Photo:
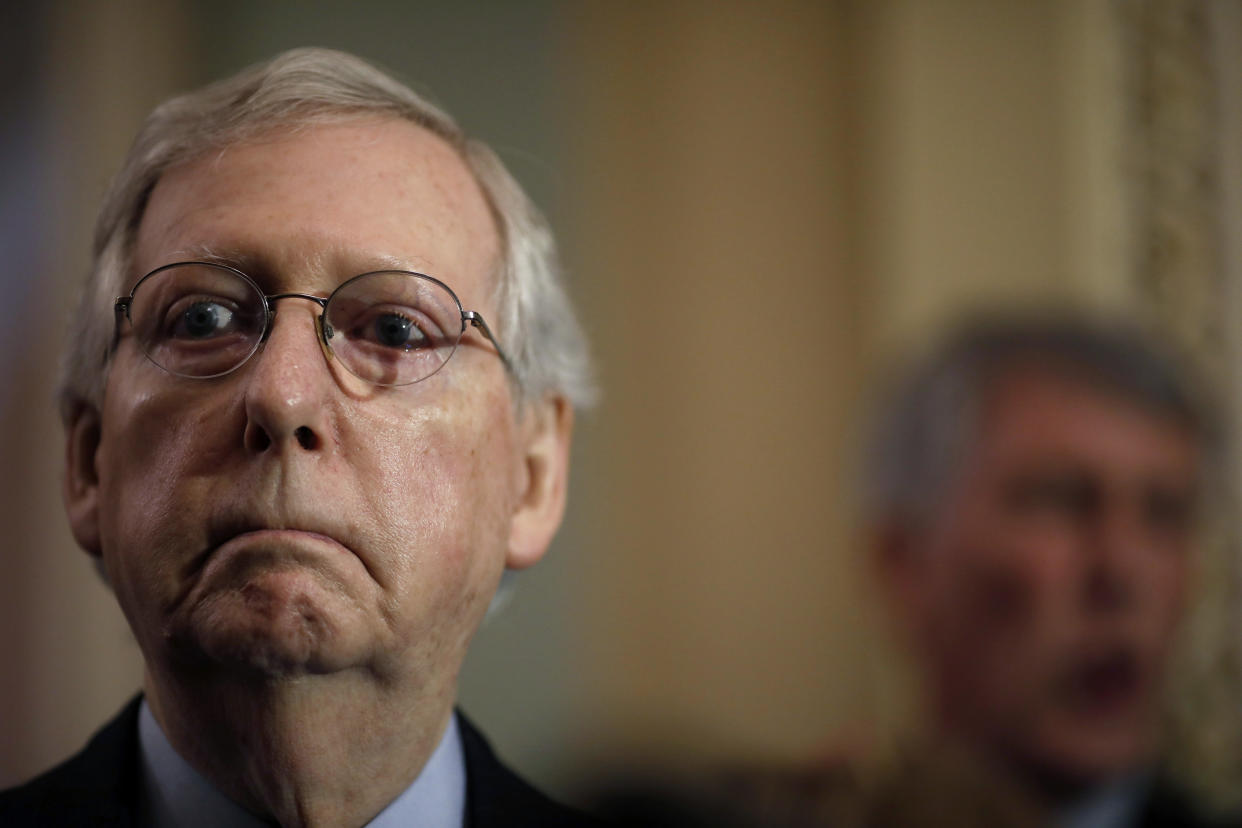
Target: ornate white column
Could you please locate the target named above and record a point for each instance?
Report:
(1180, 90)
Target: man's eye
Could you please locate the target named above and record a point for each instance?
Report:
(1065, 496)
(1169, 510)
(392, 330)
(202, 319)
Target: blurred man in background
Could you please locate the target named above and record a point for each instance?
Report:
(1034, 488)
(303, 459)
(1034, 494)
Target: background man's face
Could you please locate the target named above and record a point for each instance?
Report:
(288, 517)
(1045, 594)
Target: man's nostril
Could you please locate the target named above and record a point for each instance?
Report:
(257, 439)
(306, 438)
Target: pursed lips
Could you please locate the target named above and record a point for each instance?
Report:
(223, 530)
(311, 543)
(249, 530)
(282, 537)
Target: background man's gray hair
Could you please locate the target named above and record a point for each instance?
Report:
(927, 421)
(301, 87)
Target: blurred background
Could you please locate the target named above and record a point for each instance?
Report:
(758, 205)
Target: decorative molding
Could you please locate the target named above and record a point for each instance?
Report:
(1174, 257)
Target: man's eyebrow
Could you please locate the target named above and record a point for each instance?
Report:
(256, 266)
(385, 262)
(247, 263)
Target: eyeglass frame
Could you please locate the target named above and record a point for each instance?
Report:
(122, 305)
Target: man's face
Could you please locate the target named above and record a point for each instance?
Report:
(288, 518)
(1045, 594)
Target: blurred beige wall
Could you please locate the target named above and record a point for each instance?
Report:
(714, 169)
(68, 658)
(758, 202)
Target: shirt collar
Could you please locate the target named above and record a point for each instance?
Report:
(1112, 806)
(175, 795)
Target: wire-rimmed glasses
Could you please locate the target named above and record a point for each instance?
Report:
(388, 327)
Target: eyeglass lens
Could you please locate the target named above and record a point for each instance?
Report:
(203, 320)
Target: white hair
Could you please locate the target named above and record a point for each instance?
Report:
(536, 323)
(930, 417)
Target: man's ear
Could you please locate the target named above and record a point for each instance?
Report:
(80, 487)
(545, 428)
(895, 563)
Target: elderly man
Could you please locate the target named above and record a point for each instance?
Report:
(319, 397)
(1035, 491)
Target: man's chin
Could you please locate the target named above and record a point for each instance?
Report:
(269, 630)
(1094, 756)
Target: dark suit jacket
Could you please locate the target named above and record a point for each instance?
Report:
(100, 787)
(1169, 807)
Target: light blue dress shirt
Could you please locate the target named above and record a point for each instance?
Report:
(1116, 805)
(174, 795)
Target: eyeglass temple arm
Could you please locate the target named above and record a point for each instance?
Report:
(121, 308)
(475, 319)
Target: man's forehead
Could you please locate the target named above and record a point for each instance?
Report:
(1044, 409)
(1052, 387)
(340, 197)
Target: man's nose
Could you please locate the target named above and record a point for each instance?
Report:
(289, 386)
(1115, 557)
